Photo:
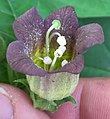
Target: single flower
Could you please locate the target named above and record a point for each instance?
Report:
(50, 51)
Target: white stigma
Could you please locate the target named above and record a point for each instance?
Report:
(47, 60)
(64, 62)
(60, 51)
(61, 40)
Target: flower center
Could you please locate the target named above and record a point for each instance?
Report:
(48, 61)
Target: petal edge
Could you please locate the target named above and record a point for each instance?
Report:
(29, 28)
(88, 36)
(75, 66)
(20, 62)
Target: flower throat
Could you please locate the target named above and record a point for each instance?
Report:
(49, 62)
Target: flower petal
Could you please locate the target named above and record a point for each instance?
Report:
(30, 28)
(88, 36)
(68, 19)
(75, 66)
(18, 59)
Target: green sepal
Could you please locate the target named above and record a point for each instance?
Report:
(43, 104)
(23, 82)
(51, 106)
(69, 98)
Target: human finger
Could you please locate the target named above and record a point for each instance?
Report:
(15, 104)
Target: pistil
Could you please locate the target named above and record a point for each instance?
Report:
(55, 25)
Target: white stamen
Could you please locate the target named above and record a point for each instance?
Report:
(53, 62)
(47, 60)
(64, 62)
(53, 34)
(61, 40)
(60, 51)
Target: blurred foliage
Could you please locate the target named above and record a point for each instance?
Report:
(84, 8)
(96, 59)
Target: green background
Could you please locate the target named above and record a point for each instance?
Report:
(97, 59)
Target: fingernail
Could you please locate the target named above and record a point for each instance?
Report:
(6, 108)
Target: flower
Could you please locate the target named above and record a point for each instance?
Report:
(50, 51)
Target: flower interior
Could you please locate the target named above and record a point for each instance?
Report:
(56, 53)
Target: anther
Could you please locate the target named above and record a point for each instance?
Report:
(60, 51)
(47, 60)
(64, 62)
(61, 40)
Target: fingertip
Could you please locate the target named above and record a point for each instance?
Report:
(95, 99)
(22, 105)
(6, 108)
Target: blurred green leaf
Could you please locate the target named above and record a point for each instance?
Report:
(2, 48)
(3, 72)
(22, 83)
(84, 8)
(97, 58)
(91, 8)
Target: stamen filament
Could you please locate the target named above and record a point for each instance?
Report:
(53, 34)
(47, 39)
(64, 62)
(53, 63)
(37, 58)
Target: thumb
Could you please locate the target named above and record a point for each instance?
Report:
(15, 104)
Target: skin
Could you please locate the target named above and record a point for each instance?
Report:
(92, 96)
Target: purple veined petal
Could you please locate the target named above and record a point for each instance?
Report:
(88, 36)
(68, 19)
(30, 28)
(75, 66)
(18, 59)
